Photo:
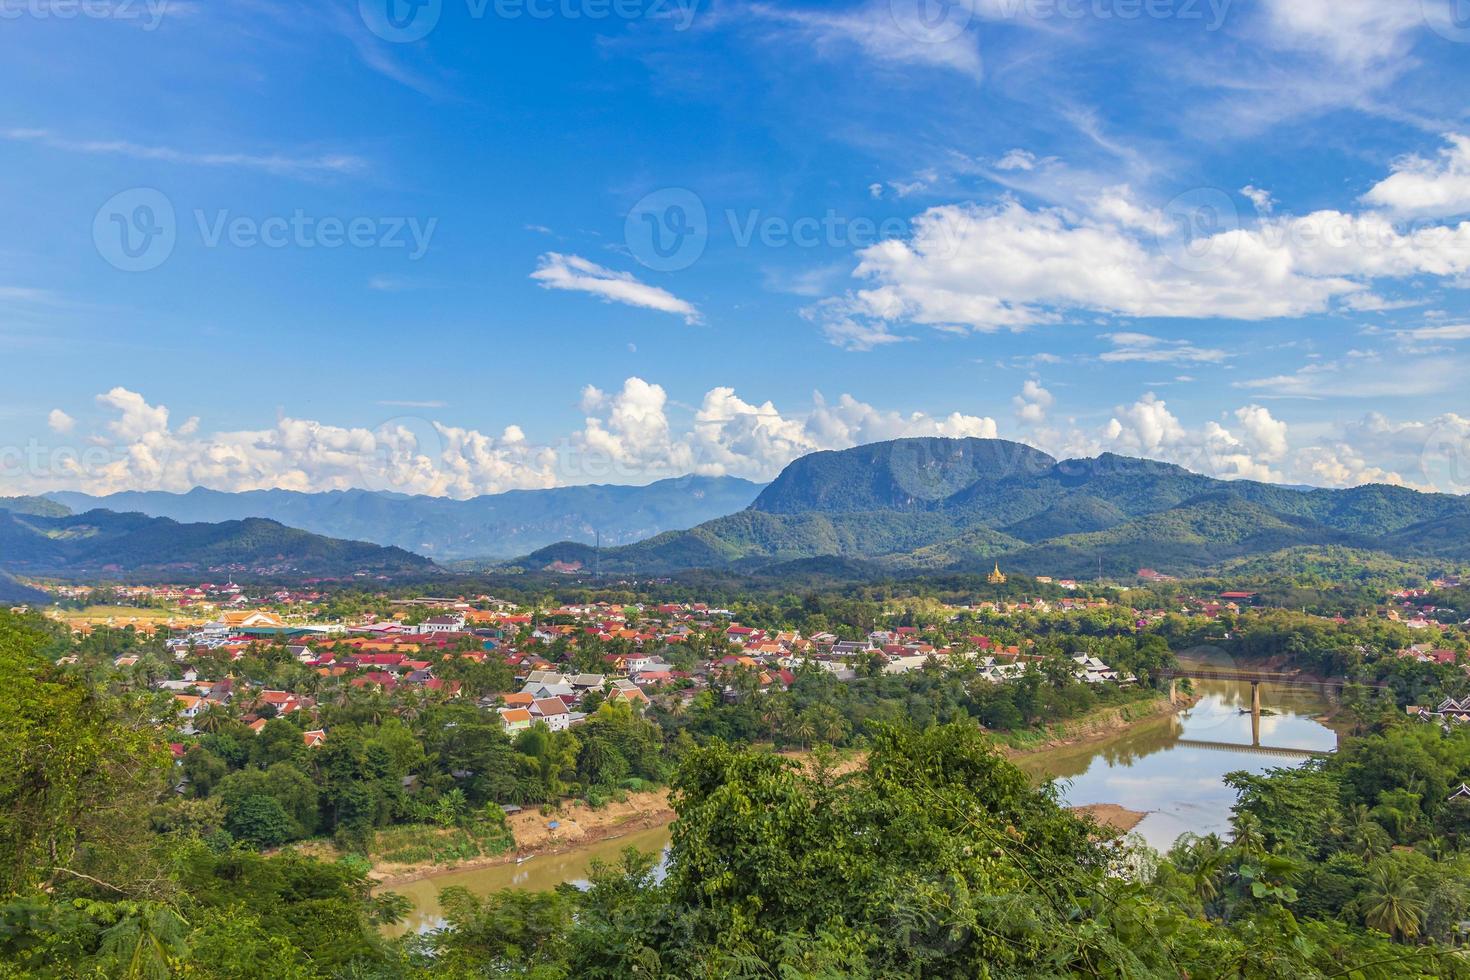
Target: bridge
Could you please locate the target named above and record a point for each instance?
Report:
(1252, 676)
(1271, 750)
(1255, 678)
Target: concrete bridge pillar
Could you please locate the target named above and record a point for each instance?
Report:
(1256, 713)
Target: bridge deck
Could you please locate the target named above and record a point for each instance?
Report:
(1253, 749)
(1259, 676)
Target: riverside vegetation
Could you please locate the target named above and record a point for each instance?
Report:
(936, 857)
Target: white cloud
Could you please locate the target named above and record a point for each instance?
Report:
(1443, 331)
(1428, 188)
(1361, 377)
(885, 32)
(1145, 348)
(1350, 32)
(572, 272)
(274, 163)
(1262, 200)
(1007, 266)
(1016, 160)
(634, 436)
(60, 422)
(628, 436)
(1032, 403)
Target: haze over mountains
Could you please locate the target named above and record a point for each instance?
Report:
(103, 544)
(493, 526)
(910, 505)
(961, 504)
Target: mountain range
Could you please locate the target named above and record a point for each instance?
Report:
(102, 543)
(964, 504)
(493, 526)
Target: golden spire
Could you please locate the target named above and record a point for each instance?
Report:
(996, 577)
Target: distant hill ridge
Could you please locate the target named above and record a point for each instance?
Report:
(102, 543)
(962, 504)
(491, 526)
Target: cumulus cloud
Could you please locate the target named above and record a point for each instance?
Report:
(60, 422)
(1420, 187)
(1032, 403)
(1007, 266)
(572, 272)
(628, 435)
(139, 448)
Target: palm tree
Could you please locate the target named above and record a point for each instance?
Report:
(1248, 837)
(1369, 839)
(801, 730)
(211, 719)
(1394, 902)
(1206, 863)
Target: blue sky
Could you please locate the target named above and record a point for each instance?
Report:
(331, 244)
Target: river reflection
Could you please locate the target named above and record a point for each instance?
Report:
(1146, 768)
(1181, 786)
(537, 874)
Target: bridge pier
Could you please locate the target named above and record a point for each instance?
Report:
(1256, 713)
(1173, 690)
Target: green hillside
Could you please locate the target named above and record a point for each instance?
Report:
(102, 542)
(962, 504)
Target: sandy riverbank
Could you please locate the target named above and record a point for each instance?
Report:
(1111, 815)
(577, 825)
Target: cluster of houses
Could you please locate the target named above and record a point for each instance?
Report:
(406, 651)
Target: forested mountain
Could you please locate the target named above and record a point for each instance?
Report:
(492, 526)
(962, 504)
(101, 542)
(39, 506)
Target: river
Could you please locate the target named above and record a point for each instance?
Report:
(536, 874)
(1146, 768)
(1181, 787)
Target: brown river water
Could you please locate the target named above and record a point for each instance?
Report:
(1151, 767)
